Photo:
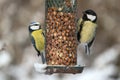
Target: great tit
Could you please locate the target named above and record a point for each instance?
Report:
(87, 29)
(38, 39)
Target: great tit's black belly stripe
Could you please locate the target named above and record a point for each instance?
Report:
(79, 32)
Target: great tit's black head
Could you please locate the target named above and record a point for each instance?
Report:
(34, 26)
(89, 15)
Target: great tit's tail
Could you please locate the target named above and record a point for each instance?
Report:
(87, 49)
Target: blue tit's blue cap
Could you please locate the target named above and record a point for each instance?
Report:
(34, 23)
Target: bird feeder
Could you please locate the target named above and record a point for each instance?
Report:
(61, 38)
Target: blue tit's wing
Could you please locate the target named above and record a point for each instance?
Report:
(33, 42)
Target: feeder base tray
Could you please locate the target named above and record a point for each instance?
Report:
(50, 69)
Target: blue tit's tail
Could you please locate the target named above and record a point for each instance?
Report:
(87, 49)
(43, 58)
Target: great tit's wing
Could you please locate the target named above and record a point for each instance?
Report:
(87, 47)
(87, 50)
(91, 42)
(79, 21)
(80, 26)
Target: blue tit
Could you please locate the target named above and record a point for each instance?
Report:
(87, 29)
(38, 39)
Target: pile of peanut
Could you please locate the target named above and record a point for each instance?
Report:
(61, 42)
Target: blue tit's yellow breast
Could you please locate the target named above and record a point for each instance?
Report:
(39, 40)
(88, 32)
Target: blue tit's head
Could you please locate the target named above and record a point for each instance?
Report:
(34, 26)
(89, 15)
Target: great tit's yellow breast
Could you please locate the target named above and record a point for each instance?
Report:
(88, 32)
(39, 40)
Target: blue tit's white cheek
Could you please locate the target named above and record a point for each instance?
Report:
(91, 17)
(34, 27)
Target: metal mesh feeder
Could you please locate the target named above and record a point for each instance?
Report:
(61, 39)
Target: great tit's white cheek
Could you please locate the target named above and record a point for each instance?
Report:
(34, 27)
(91, 17)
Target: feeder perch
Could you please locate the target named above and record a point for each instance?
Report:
(61, 38)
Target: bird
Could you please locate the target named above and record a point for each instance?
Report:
(38, 39)
(86, 29)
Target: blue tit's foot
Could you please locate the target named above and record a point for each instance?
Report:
(41, 68)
